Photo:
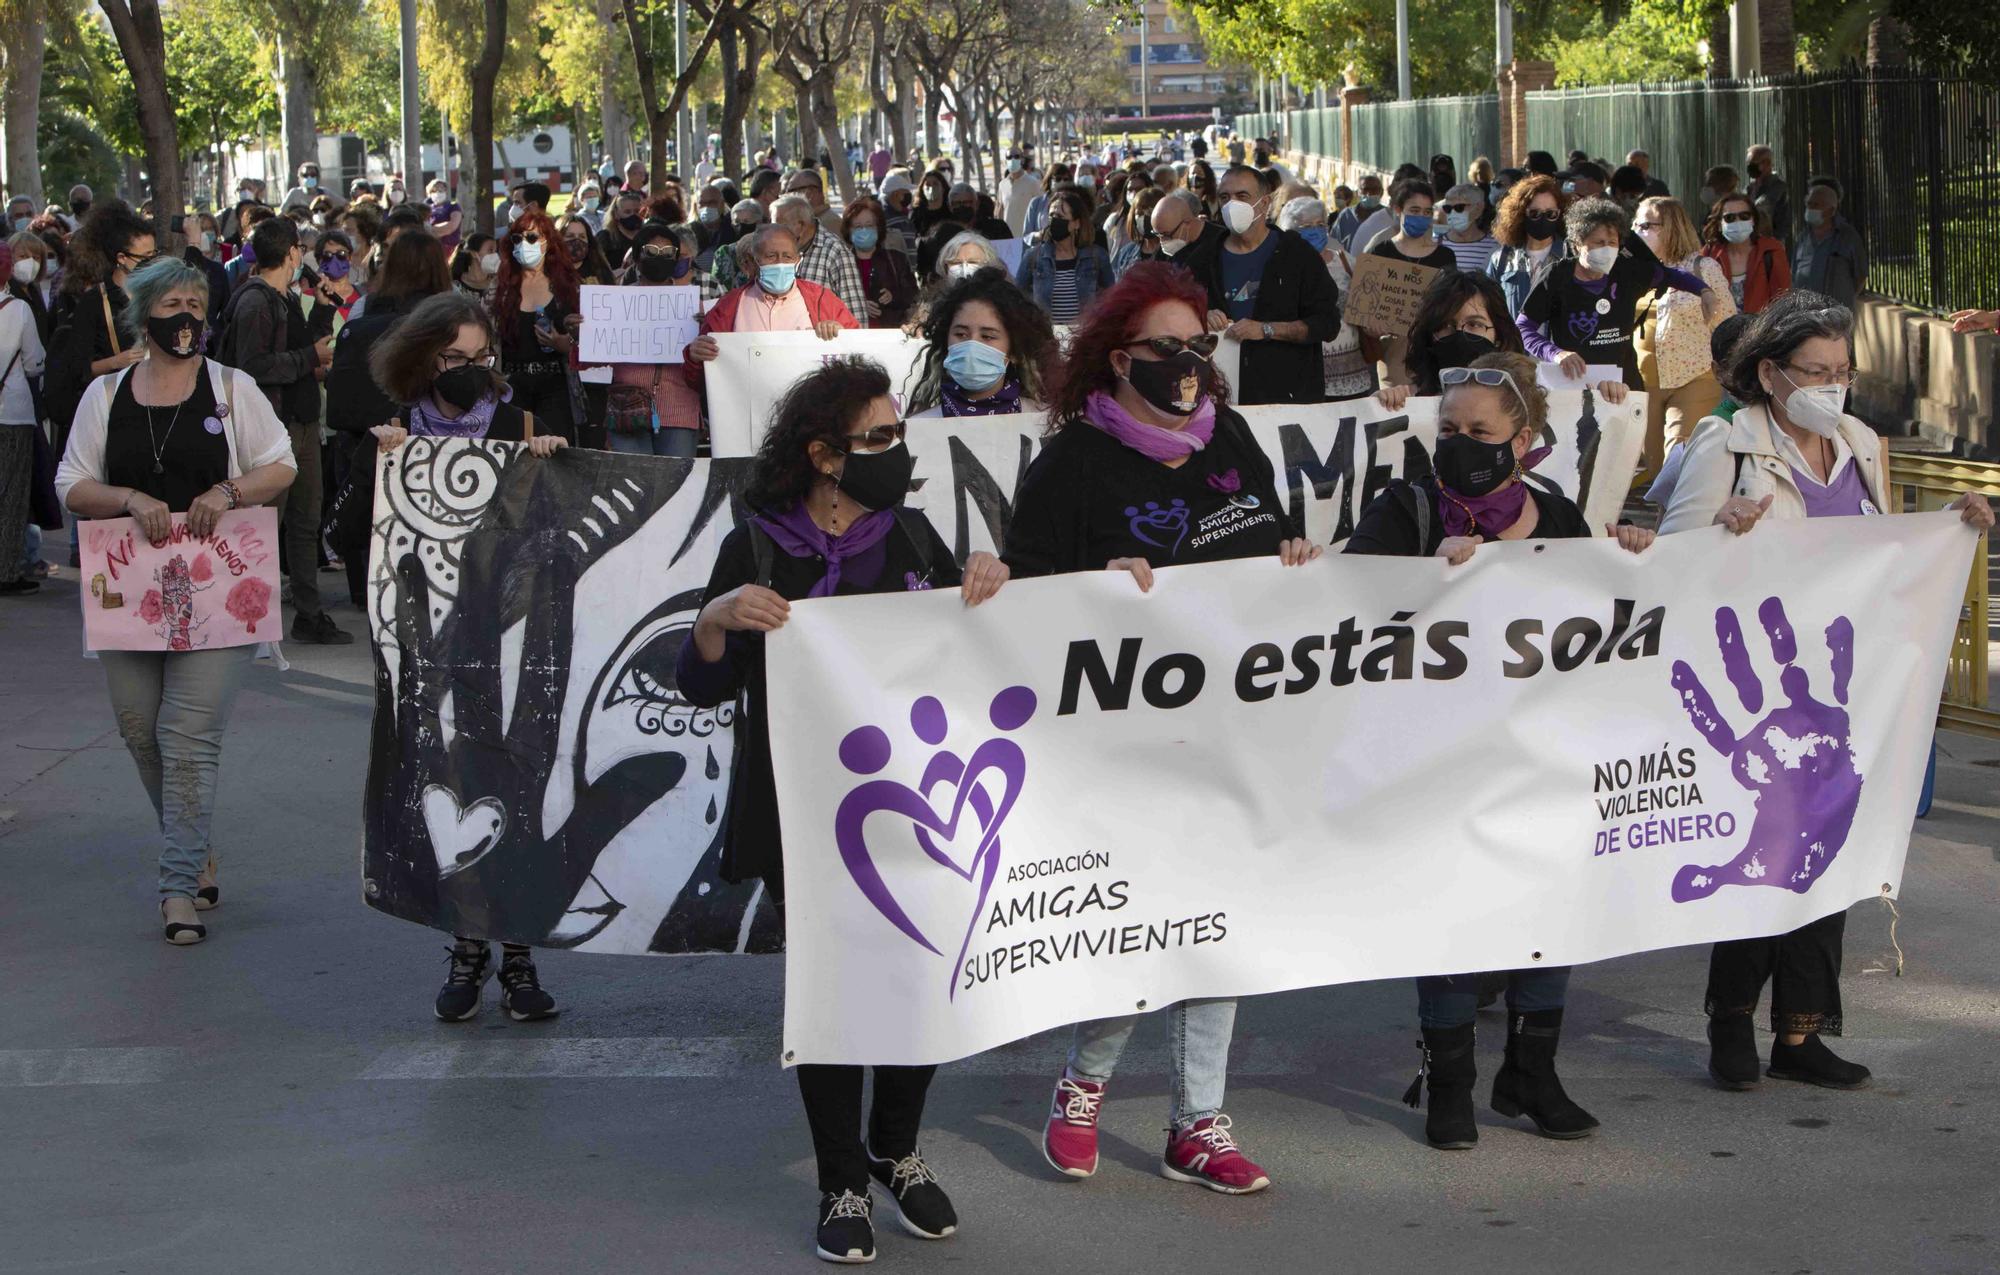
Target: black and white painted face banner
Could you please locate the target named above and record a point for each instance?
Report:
(1079, 801)
(564, 587)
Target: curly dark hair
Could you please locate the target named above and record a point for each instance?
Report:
(1031, 341)
(106, 232)
(820, 407)
(1109, 324)
(1442, 301)
(1510, 227)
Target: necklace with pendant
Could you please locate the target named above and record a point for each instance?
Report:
(159, 445)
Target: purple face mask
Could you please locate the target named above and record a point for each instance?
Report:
(335, 268)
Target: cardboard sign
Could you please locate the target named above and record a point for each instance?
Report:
(1386, 293)
(186, 593)
(639, 324)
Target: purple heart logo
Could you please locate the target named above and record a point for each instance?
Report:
(867, 750)
(1162, 528)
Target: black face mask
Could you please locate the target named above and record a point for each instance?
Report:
(654, 268)
(1544, 225)
(1470, 467)
(631, 223)
(578, 249)
(878, 480)
(963, 212)
(179, 335)
(1058, 229)
(463, 387)
(1459, 349)
(1177, 385)
(79, 206)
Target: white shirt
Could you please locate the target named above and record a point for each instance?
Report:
(18, 334)
(1016, 193)
(252, 429)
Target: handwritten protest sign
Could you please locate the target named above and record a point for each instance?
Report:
(186, 593)
(1386, 293)
(638, 324)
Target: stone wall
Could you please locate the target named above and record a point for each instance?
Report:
(1919, 379)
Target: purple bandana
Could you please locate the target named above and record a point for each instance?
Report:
(1150, 441)
(1493, 513)
(958, 403)
(797, 534)
(425, 422)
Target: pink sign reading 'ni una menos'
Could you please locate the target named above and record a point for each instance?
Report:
(184, 593)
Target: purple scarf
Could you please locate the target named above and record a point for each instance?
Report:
(797, 534)
(1493, 513)
(958, 403)
(1150, 441)
(425, 422)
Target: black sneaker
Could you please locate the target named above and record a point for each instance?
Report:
(19, 588)
(320, 630)
(846, 1232)
(521, 993)
(1812, 1062)
(921, 1204)
(471, 966)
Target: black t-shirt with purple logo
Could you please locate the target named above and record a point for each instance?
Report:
(1088, 499)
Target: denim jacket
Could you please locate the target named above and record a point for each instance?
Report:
(1509, 268)
(1036, 276)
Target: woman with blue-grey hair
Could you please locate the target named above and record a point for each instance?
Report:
(174, 434)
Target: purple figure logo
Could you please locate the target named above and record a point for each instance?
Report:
(1153, 524)
(1798, 759)
(866, 750)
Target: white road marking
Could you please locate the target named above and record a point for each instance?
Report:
(34, 1068)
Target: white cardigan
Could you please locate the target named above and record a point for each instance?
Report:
(1710, 472)
(255, 435)
(18, 333)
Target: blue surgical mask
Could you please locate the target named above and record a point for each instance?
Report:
(778, 278)
(1738, 231)
(865, 238)
(975, 365)
(1314, 235)
(1814, 217)
(1415, 227)
(1458, 221)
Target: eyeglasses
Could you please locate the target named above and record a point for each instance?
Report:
(1821, 375)
(659, 250)
(1643, 226)
(531, 236)
(1490, 377)
(452, 360)
(1477, 325)
(1452, 208)
(1742, 216)
(1168, 347)
(874, 440)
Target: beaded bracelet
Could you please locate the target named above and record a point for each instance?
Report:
(229, 489)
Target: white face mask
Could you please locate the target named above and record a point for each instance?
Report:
(490, 263)
(25, 270)
(528, 254)
(1601, 259)
(962, 269)
(1169, 247)
(514, 212)
(1815, 408)
(1239, 216)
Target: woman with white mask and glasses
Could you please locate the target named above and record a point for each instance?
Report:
(1790, 451)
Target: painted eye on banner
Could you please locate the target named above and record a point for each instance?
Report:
(638, 707)
(646, 679)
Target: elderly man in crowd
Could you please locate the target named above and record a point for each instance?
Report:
(823, 258)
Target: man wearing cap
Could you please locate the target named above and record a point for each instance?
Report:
(808, 183)
(898, 192)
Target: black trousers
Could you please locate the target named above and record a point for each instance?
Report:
(833, 1109)
(546, 395)
(1802, 967)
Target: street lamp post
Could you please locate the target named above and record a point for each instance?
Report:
(1403, 49)
(413, 142)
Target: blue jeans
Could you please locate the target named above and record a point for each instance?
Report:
(1201, 1032)
(171, 708)
(666, 441)
(1450, 1000)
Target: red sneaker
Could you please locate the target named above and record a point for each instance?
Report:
(1205, 1154)
(1069, 1142)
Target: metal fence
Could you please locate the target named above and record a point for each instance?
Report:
(1390, 133)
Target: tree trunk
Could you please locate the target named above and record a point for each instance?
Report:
(492, 48)
(143, 43)
(905, 122)
(1885, 43)
(802, 110)
(993, 144)
(297, 81)
(1777, 40)
(829, 128)
(933, 101)
(617, 126)
(1719, 61)
(24, 104)
(739, 81)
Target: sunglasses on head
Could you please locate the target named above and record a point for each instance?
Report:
(1168, 347)
(1490, 377)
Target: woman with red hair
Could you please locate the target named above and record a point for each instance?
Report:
(1147, 466)
(535, 309)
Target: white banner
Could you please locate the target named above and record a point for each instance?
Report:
(1080, 801)
(637, 324)
(754, 369)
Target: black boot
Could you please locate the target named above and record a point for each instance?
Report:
(1812, 1062)
(1527, 1083)
(1449, 1064)
(1732, 1050)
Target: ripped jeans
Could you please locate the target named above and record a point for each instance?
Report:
(1201, 1031)
(171, 708)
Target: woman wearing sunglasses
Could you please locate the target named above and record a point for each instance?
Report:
(1738, 237)
(1147, 466)
(1489, 419)
(826, 519)
(535, 306)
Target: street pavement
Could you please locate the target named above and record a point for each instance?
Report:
(280, 1098)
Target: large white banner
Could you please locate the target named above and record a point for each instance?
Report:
(1079, 801)
(754, 369)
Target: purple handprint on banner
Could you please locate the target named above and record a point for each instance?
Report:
(1798, 759)
(866, 750)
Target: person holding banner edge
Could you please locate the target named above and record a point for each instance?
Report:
(775, 300)
(826, 519)
(1491, 413)
(175, 433)
(1147, 467)
(1790, 451)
